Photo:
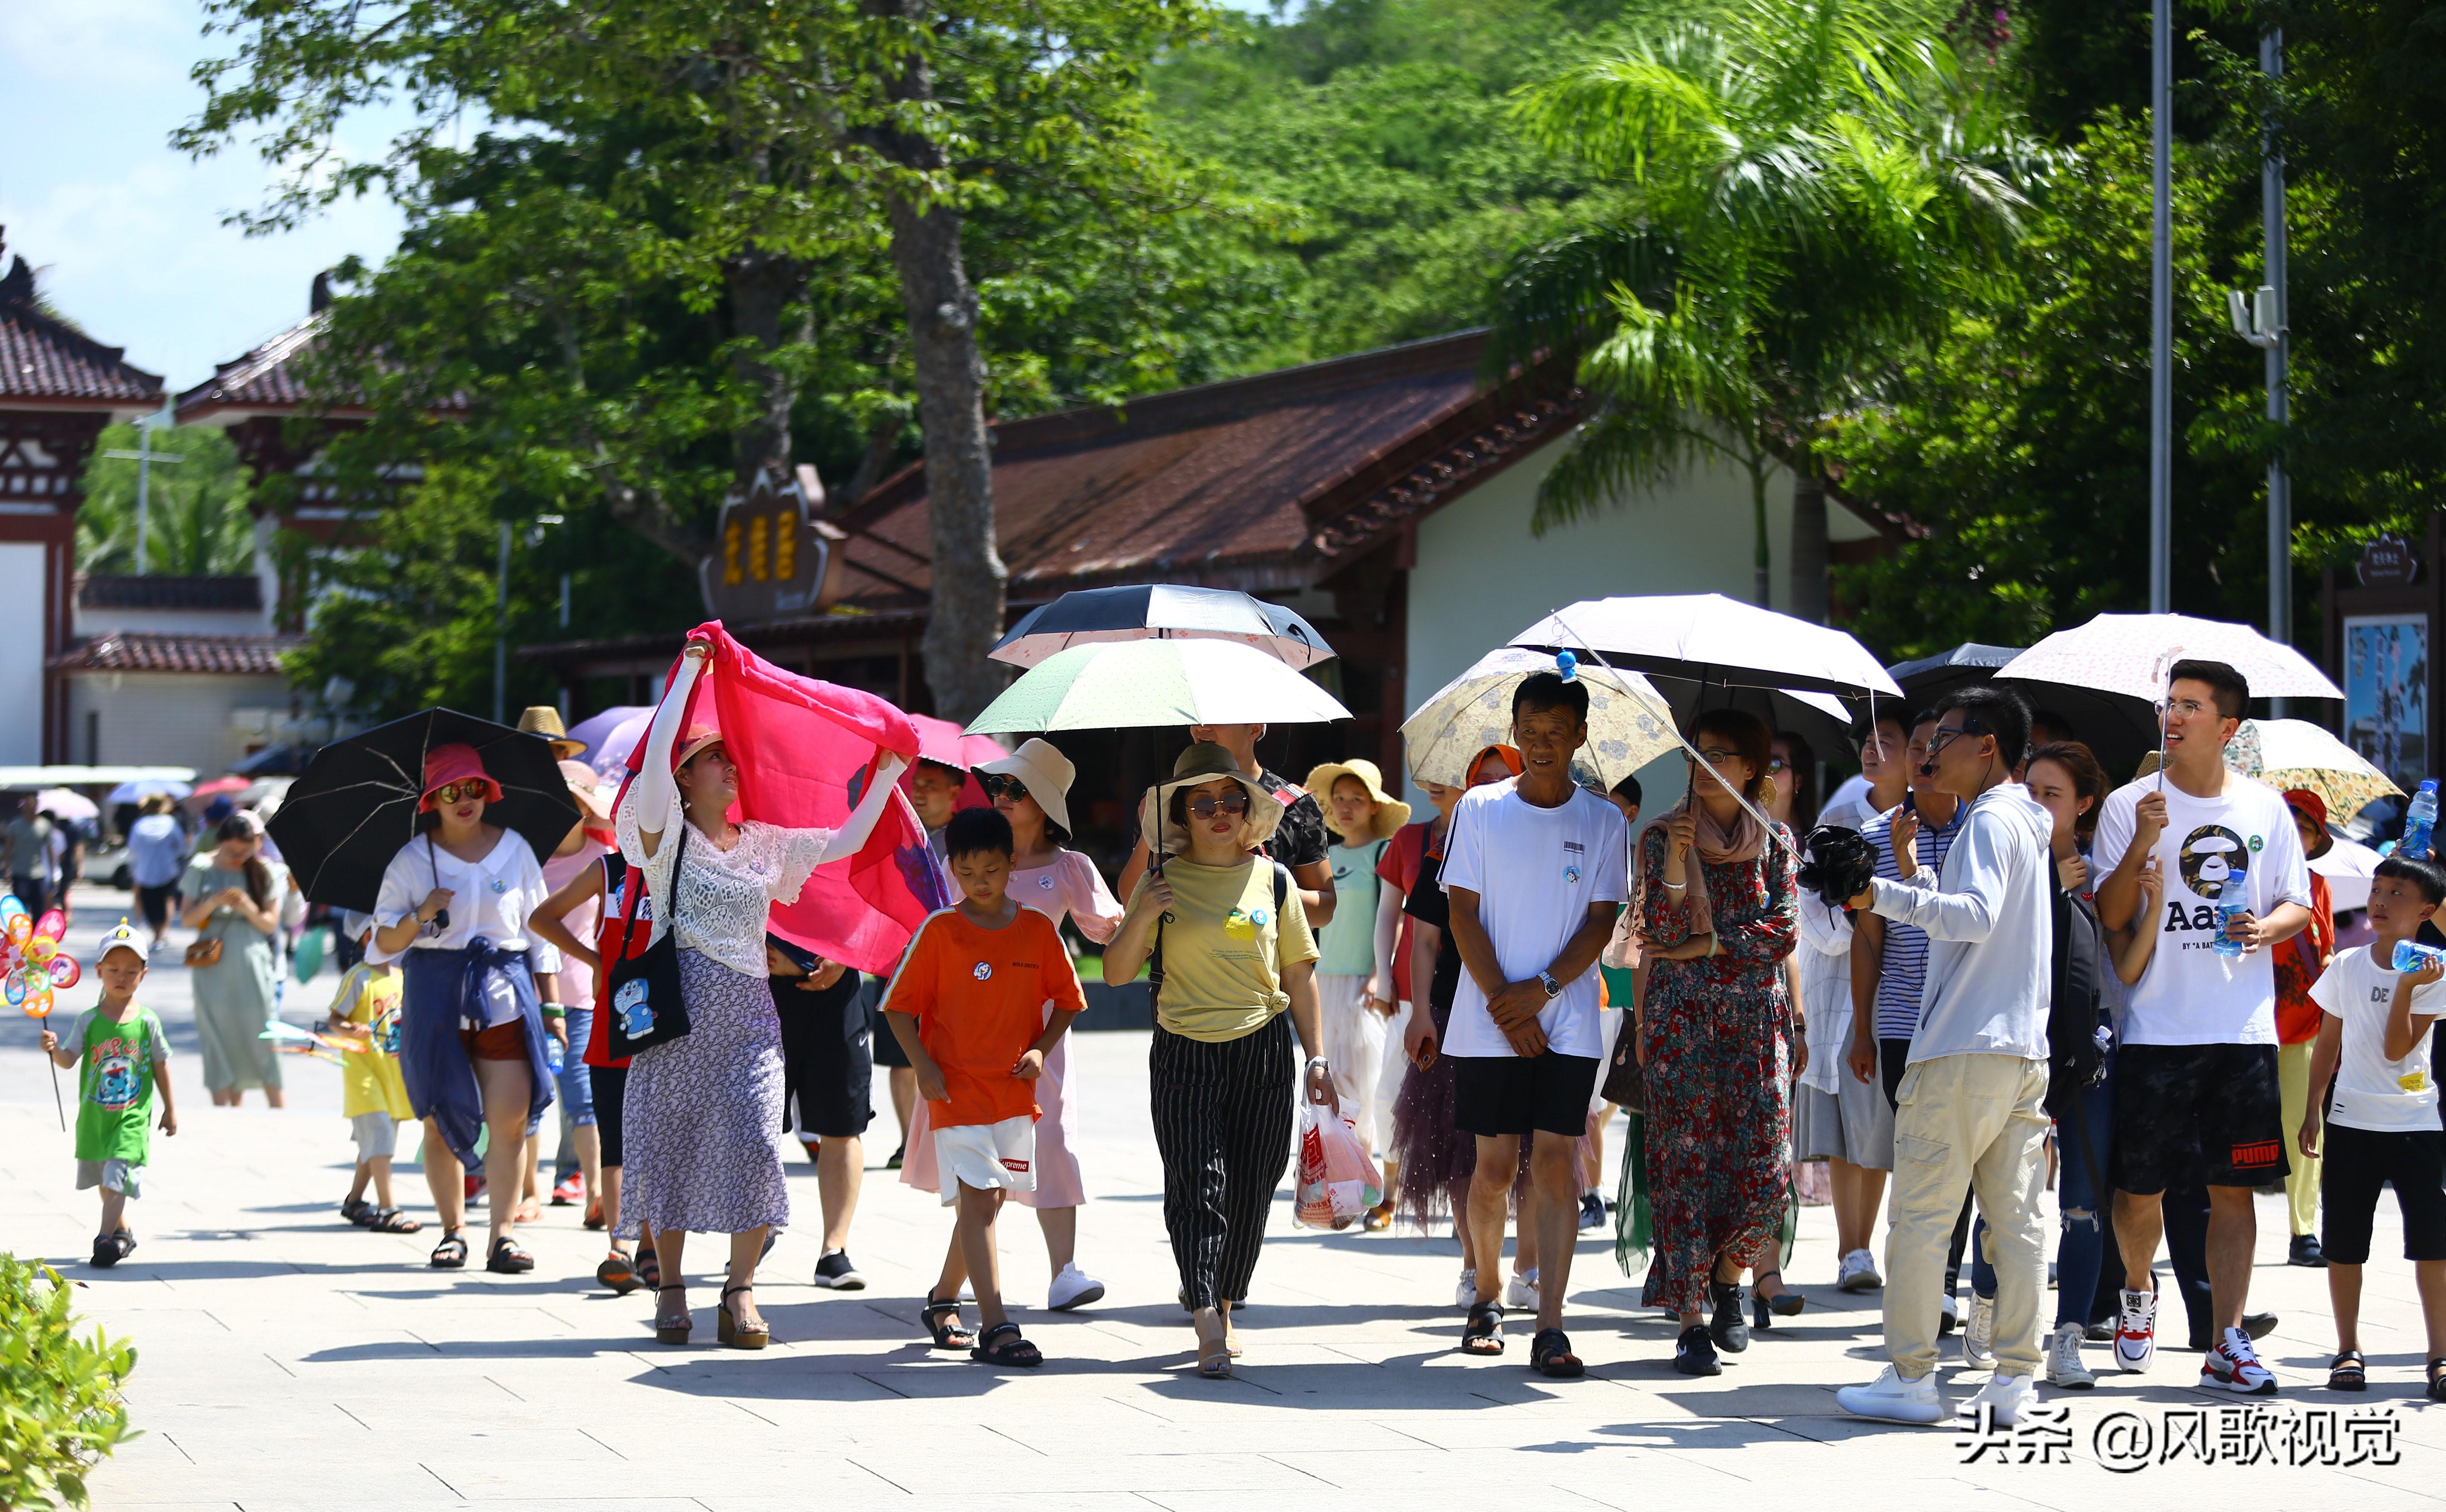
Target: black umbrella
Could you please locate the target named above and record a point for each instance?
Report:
(2119, 729)
(1160, 612)
(354, 808)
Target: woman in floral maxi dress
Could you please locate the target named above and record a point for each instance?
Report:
(1717, 919)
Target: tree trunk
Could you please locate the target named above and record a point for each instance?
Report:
(966, 616)
(765, 308)
(1810, 548)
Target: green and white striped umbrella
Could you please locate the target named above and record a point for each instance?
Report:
(1136, 684)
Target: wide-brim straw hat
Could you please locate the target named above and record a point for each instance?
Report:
(693, 745)
(1391, 813)
(542, 719)
(590, 801)
(1047, 772)
(1203, 763)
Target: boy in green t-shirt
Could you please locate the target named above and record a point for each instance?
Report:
(125, 1059)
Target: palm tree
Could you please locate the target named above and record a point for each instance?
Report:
(197, 523)
(1798, 191)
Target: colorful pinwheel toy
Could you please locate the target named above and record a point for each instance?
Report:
(32, 966)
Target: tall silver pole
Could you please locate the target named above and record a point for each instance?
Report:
(2280, 489)
(501, 632)
(143, 489)
(2161, 312)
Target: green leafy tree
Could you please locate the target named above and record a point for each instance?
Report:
(60, 1411)
(1794, 195)
(196, 518)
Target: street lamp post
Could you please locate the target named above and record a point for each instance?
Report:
(2161, 310)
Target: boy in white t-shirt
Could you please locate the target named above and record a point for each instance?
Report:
(2382, 1123)
(1536, 869)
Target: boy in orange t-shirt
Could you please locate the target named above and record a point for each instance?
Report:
(969, 1004)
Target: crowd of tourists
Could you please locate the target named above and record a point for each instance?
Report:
(1977, 969)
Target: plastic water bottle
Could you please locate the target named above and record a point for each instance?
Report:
(2418, 819)
(552, 1053)
(2224, 944)
(2410, 955)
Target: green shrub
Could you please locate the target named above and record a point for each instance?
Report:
(59, 1410)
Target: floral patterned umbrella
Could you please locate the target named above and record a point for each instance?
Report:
(2290, 753)
(1630, 724)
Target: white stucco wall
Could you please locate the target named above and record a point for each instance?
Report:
(173, 719)
(1481, 577)
(21, 669)
(92, 622)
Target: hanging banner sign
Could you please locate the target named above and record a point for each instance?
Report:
(772, 558)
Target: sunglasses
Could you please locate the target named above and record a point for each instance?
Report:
(1206, 805)
(450, 793)
(1000, 784)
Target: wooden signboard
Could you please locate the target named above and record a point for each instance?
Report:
(773, 560)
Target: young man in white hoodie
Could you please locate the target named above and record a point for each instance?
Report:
(1970, 1109)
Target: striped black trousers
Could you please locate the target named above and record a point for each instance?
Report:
(1223, 1125)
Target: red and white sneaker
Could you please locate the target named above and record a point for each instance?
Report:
(571, 1190)
(2135, 1332)
(2234, 1366)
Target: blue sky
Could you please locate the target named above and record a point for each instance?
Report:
(129, 234)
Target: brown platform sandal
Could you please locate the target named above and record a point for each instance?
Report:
(728, 1331)
(667, 1332)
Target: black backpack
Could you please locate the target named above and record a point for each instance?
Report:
(2075, 1061)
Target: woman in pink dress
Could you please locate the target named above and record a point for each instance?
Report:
(1031, 788)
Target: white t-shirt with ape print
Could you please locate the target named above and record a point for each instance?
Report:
(2239, 847)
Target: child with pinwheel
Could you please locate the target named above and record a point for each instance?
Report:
(366, 1009)
(124, 1060)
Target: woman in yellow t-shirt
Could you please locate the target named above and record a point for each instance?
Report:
(366, 1009)
(1232, 950)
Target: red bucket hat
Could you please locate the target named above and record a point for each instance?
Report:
(455, 762)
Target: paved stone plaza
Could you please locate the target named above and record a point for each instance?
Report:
(288, 1361)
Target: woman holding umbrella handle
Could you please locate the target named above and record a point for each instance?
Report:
(453, 912)
(702, 1113)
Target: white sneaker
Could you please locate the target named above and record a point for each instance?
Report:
(1891, 1399)
(2064, 1367)
(1521, 1294)
(2006, 1397)
(1466, 1295)
(2135, 1332)
(1979, 1339)
(1857, 1272)
(2234, 1366)
(1073, 1288)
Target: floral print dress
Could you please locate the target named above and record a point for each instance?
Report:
(1719, 1121)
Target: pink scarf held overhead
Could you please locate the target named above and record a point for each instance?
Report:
(1713, 844)
(805, 750)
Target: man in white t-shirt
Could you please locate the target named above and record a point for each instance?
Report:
(2382, 1122)
(2196, 1093)
(1536, 868)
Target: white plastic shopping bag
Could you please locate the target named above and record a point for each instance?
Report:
(1335, 1181)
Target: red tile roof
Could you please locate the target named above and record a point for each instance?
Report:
(45, 359)
(243, 592)
(265, 378)
(1254, 482)
(135, 652)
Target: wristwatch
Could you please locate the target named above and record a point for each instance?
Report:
(1545, 980)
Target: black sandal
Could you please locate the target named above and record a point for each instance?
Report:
(391, 1220)
(1012, 1350)
(1550, 1355)
(357, 1210)
(2348, 1372)
(616, 1272)
(1483, 1332)
(650, 1270)
(943, 1321)
(506, 1258)
(1765, 1309)
(2437, 1379)
(451, 1253)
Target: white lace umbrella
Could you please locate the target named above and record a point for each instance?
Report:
(2290, 753)
(1630, 724)
(2131, 653)
(1710, 639)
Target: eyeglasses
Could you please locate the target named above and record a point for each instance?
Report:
(1206, 805)
(458, 792)
(1717, 755)
(998, 785)
(1942, 738)
(2188, 707)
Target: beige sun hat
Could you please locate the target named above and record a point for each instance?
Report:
(594, 807)
(1203, 763)
(542, 719)
(1391, 813)
(1047, 772)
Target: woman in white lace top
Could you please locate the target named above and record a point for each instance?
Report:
(704, 1111)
